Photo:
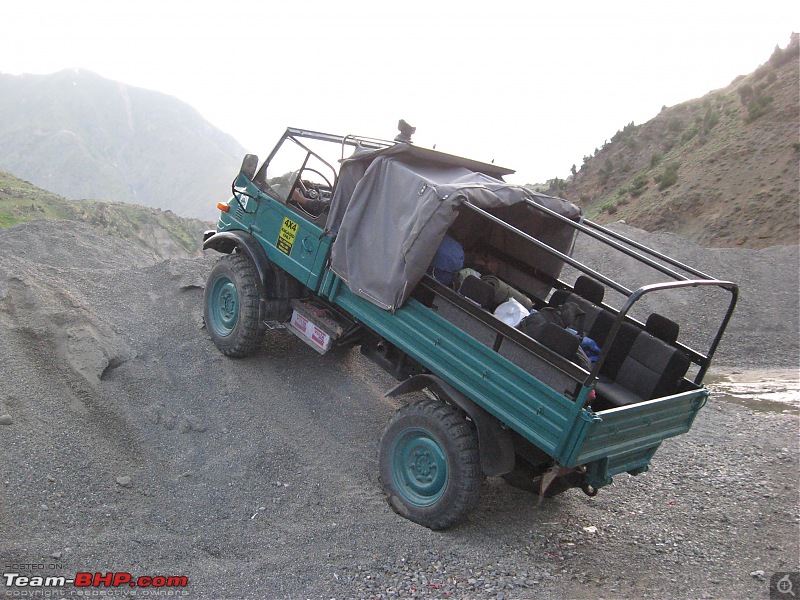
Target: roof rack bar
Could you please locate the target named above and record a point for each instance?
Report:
(567, 259)
(364, 142)
(371, 142)
(632, 253)
(351, 140)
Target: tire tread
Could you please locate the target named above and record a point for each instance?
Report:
(466, 474)
(249, 333)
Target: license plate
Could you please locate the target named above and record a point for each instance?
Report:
(317, 338)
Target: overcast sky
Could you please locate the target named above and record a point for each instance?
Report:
(533, 87)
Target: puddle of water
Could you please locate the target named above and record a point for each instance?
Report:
(774, 390)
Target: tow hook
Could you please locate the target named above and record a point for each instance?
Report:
(589, 490)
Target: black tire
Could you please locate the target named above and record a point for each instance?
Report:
(430, 464)
(230, 308)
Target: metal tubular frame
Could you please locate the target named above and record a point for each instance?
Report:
(567, 259)
(628, 251)
(613, 239)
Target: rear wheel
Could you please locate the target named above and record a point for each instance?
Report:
(231, 306)
(429, 463)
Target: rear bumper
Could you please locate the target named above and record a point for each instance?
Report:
(625, 439)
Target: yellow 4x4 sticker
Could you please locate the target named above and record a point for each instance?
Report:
(286, 236)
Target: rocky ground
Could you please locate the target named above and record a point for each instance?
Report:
(128, 443)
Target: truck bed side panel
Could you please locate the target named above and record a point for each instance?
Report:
(626, 430)
(515, 397)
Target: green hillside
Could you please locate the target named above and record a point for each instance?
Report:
(84, 136)
(721, 170)
(160, 231)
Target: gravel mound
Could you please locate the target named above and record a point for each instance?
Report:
(129, 443)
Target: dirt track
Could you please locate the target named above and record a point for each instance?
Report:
(135, 446)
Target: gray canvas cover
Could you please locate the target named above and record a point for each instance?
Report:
(392, 208)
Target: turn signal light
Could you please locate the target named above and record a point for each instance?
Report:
(223, 207)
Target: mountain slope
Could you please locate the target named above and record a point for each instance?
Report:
(84, 136)
(721, 170)
(160, 233)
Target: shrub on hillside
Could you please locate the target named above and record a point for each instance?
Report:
(669, 177)
(710, 119)
(772, 77)
(655, 159)
(761, 72)
(675, 124)
(758, 107)
(689, 134)
(754, 101)
(624, 133)
(638, 186)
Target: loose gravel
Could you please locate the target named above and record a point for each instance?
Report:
(129, 443)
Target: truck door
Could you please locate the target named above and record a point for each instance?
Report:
(295, 233)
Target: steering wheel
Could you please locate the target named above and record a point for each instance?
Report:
(307, 191)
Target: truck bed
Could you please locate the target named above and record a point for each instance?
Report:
(531, 389)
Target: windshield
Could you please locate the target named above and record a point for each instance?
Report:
(315, 162)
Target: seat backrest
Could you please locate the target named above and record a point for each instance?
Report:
(652, 368)
(620, 348)
(590, 289)
(557, 339)
(599, 326)
(662, 328)
(561, 297)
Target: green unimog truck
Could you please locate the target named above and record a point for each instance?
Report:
(336, 239)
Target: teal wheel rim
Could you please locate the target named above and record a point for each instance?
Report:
(419, 467)
(223, 307)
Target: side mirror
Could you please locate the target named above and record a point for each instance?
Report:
(249, 165)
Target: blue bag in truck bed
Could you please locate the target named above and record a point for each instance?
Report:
(448, 261)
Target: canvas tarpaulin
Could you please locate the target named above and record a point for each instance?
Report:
(391, 210)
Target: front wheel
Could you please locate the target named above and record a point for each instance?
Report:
(429, 463)
(231, 306)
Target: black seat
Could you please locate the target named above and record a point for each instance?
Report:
(588, 295)
(620, 348)
(651, 369)
(662, 328)
(557, 339)
(590, 289)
